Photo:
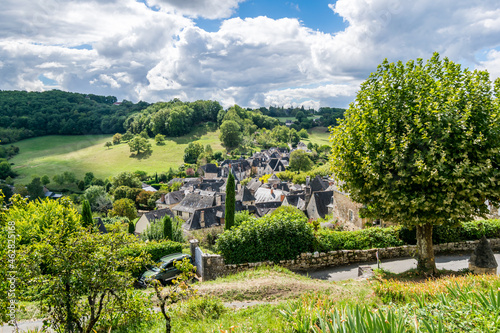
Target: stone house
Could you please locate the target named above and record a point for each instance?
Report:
(317, 206)
(193, 201)
(169, 200)
(209, 171)
(151, 217)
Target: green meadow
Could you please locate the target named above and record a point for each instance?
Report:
(51, 155)
(318, 135)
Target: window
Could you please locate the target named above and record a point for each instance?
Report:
(179, 213)
(351, 215)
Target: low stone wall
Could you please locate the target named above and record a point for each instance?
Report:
(214, 265)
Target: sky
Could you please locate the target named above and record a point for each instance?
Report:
(252, 53)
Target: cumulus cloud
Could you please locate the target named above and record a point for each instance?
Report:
(127, 49)
(209, 9)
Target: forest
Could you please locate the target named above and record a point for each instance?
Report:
(30, 114)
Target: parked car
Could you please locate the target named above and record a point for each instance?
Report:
(164, 271)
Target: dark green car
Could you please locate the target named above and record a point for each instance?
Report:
(164, 271)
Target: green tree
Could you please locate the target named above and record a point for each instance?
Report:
(300, 161)
(167, 227)
(126, 178)
(108, 144)
(69, 177)
(58, 179)
(192, 151)
(124, 207)
(88, 178)
(117, 138)
(72, 294)
(87, 220)
(45, 180)
(303, 134)
(230, 134)
(230, 202)
(160, 139)
(131, 227)
(92, 194)
(300, 116)
(5, 170)
(140, 146)
(35, 189)
(420, 147)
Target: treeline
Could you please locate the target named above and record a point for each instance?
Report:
(29, 114)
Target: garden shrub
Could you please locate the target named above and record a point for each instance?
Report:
(465, 231)
(330, 240)
(156, 250)
(273, 237)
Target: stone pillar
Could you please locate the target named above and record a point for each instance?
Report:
(193, 244)
(482, 260)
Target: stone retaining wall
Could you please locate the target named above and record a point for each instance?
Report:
(213, 265)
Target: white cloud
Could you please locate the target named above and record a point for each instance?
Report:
(136, 53)
(209, 9)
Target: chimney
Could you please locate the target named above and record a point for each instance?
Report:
(202, 218)
(272, 191)
(282, 197)
(218, 200)
(163, 198)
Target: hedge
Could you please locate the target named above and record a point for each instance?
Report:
(273, 237)
(466, 231)
(155, 249)
(329, 240)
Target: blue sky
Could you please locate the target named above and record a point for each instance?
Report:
(313, 14)
(252, 53)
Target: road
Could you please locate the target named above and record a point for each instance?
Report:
(399, 265)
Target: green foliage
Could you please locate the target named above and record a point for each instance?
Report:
(124, 207)
(61, 274)
(418, 143)
(45, 180)
(242, 216)
(5, 170)
(156, 231)
(35, 189)
(117, 138)
(273, 237)
(371, 238)
(300, 161)
(152, 249)
(303, 134)
(57, 112)
(126, 179)
(192, 152)
(230, 134)
(160, 139)
(167, 228)
(466, 231)
(108, 144)
(87, 220)
(140, 146)
(92, 195)
(230, 202)
(35, 219)
(131, 227)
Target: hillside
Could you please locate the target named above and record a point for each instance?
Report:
(51, 155)
(32, 114)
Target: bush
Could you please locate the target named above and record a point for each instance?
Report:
(155, 231)
(329, 240)
(472, 230)
(156, 250)
(201, 308)
(273, 237)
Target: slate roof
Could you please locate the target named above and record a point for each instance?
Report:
(176, 180)
(322, 199)
(274, 179)
(293, 199)
(211, 186)
(148, 188)
(275, 163)
(245, 195)
(268, 195)
(212, 218)
(157, 215)
(172, 198)
(210, 168)
(318, 184)
(264, 208)
(195, 200)
(254, 184)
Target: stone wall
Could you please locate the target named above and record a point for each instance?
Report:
(214, 266)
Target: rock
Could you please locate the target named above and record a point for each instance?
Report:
(482, 260)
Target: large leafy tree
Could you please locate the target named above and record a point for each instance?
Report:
(140, 146)
(300, 161)
(230, 134)
(192, 152)
(420, 146)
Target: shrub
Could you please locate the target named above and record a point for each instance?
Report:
(472, 230)
(273, 237)
(156, 250)
(329, 240)
(200, 308)
(156, 231)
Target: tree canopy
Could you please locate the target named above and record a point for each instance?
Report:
(420, 146)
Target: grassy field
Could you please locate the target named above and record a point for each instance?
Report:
(51, 155)
(318, 135)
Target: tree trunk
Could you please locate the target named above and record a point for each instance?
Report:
(167, 324)
(425, 251)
